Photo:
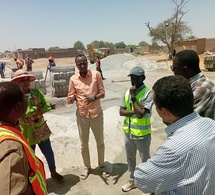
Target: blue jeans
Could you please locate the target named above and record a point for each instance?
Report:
(131, 147)
(47, 151)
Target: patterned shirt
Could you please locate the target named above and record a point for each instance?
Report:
(204, 95)
(185, 163)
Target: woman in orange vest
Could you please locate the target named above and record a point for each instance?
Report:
(21, 171)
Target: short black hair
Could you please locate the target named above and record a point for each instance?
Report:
(79, 55)
(10, 94)
(188, 58)
(175, 94)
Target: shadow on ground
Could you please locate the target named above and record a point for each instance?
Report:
(70, 180)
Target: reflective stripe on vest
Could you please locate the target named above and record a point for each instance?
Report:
(37, 173)
(134, 125)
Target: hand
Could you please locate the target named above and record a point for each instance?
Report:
(89, 99)
(39, 113)
(73, 99)
(39, 106)
(142, 106)
(132, 91)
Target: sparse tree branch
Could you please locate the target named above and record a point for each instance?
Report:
(176, 30)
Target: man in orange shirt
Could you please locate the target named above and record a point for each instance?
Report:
(19, 63)
(86, 89)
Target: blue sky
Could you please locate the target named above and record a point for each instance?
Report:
(48, 23)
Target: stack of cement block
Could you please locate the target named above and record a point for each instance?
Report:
(39, 83)
(60, 80)
(209, 62)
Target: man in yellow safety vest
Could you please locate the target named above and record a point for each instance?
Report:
(136, 107)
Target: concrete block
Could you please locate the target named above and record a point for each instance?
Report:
(37, 84)
(65, 88)
(37, 74)
(59, 82)
(60, 94)
(43, 90)
(56, 76)
(42, 83)
(63, 69)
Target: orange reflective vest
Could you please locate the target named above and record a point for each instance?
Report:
(37, 173)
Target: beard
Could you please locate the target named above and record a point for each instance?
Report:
(166, 123)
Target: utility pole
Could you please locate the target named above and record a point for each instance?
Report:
(166, 23)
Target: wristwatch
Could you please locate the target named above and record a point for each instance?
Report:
(95, 98)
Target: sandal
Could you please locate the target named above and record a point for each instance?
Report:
(85, 174)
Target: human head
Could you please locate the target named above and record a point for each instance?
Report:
(186, 63)
(174, 95)
(137, 75)
(13, 103)
(51, 59)
(22, 74)
(23, 77)
(81, 63)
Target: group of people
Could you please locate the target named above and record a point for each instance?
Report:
(21, 113)
(184, 164)
(28, 62)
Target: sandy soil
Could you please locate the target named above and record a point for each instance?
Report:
(66, 144)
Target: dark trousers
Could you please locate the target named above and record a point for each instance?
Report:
(100, 70)
(47, 151)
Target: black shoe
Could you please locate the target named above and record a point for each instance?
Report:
(56, 176)
(103, 78)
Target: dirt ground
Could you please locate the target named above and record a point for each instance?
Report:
(66, 144)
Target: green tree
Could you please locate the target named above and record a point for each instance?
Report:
(53, 48)
(120, 45)
(173, 29)
(101, 44)
(143, 43)
(131, 46)
(108, 45)
(192, 37)
(7, 51)
(79, 45)
(154, 43)
(95, 44)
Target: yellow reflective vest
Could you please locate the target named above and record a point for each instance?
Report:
(134, 125)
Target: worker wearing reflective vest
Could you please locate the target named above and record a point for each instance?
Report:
(37, 173)
(136, 107)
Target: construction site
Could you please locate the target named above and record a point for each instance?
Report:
(62, 120)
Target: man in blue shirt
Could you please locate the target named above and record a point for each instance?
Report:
(2, 69)
(51, 63)
(185, 163)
